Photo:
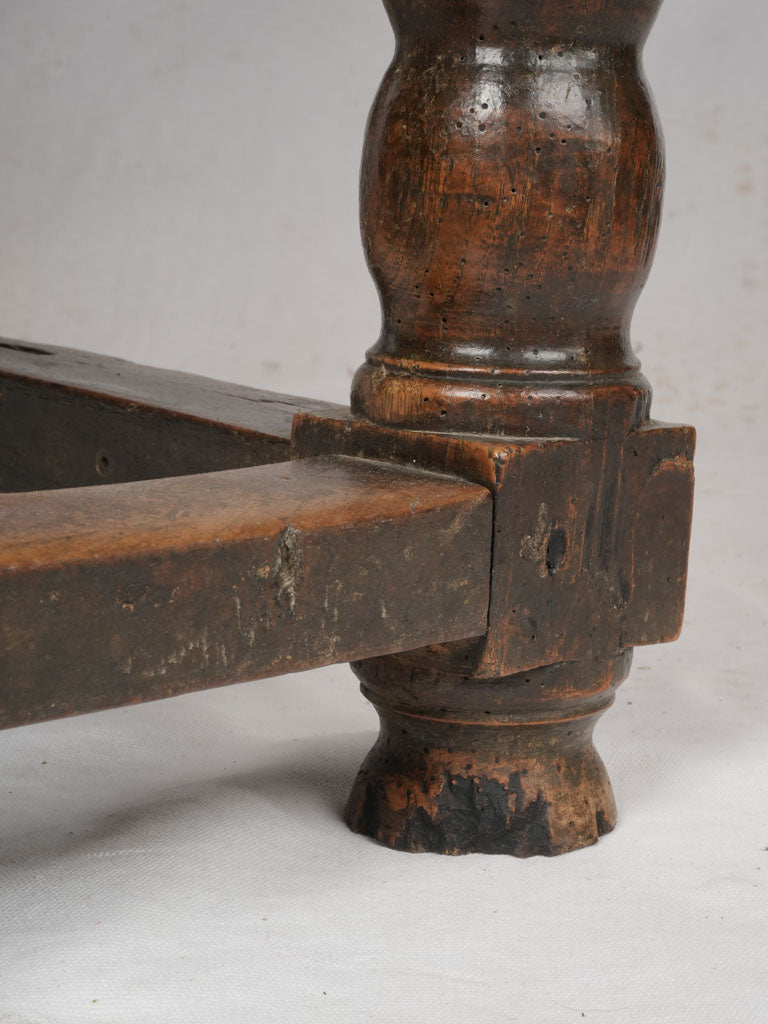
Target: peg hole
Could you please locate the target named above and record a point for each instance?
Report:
(556, 548)
(103, 464)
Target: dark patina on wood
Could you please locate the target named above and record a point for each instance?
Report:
(76, 419)
(113, 595)
(511, 190)
(487, 532)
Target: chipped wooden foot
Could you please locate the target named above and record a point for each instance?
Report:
(448, 775)
(515, 789)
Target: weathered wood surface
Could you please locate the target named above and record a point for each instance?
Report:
(511, 191)
(114, 595)
(73, 419)
(590, 549)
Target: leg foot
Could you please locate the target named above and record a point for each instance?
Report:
(484, 784)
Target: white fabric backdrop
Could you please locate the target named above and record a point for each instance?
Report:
(179, 187)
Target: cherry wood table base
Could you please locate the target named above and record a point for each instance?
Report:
(485, 533)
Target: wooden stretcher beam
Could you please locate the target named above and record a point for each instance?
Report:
(75, 419)
(114, 595)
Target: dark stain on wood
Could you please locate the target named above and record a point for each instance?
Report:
(471, 814)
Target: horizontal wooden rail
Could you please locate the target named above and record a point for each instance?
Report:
(113, 595)
(74, 419)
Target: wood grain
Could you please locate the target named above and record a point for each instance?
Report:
(138, 591)
(510, 200)
(76, 419)
(511, 193)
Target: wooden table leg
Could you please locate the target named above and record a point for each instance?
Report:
(511, 191)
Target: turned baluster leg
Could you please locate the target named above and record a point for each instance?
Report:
(511, 190)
